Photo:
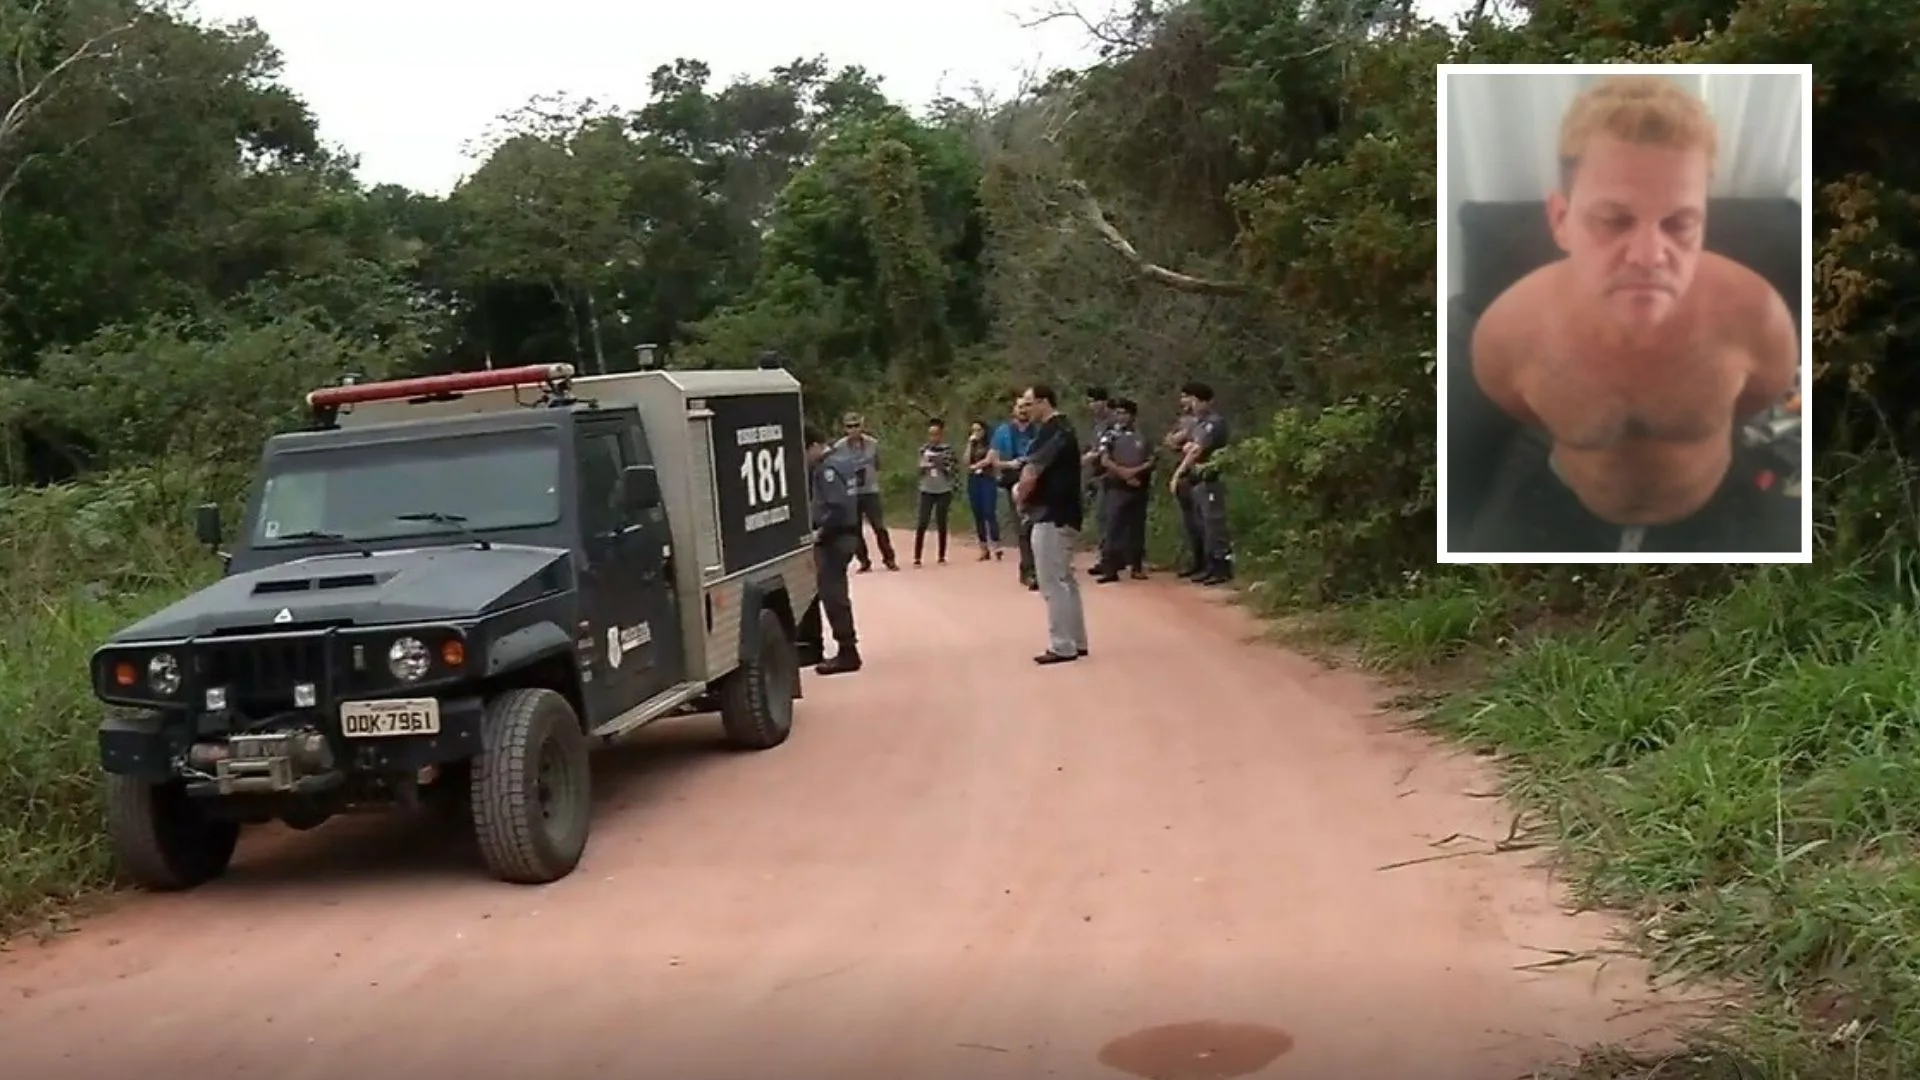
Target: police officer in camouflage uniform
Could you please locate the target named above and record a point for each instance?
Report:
(834, 482)
(1199, 462)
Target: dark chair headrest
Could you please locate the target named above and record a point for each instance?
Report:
(1502, 242)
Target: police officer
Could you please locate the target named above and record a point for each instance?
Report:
(1200, 462)
(1177, 439)
(1126, 466)
(834, 481)
(861, 449)
(1093, 481)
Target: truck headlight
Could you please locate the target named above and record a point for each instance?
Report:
(409, 659)
(163, 674)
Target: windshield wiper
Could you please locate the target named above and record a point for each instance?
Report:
(455, 522)
(325, 534)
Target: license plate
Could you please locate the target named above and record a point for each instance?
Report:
(385, 719)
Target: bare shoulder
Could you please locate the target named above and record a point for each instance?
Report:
(1753, 314)
(1744, 299)
(1511, 326)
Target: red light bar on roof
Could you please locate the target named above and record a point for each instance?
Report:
(428, 386)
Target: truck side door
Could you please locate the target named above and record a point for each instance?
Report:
(626, 596)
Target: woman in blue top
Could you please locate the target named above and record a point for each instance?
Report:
(983, 493)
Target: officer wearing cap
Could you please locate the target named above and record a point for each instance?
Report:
(834, 484)
(1126, 466)
(864, 449)
(1200, 462)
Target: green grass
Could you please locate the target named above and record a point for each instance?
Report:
(1741, 773)
(76, 564)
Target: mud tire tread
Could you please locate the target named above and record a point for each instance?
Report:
(504, 787)
(161, 839)
(747, 708)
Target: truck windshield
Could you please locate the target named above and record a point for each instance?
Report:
(377, 492)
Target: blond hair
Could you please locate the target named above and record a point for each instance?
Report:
(1644, 109)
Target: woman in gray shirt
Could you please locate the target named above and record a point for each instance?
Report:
(938, 464)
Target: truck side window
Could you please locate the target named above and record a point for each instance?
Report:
(601, 462)
(634, 440)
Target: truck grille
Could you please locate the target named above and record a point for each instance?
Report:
(260, 673)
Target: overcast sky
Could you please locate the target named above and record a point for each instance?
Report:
(405, 84)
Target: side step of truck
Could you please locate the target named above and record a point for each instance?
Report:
(655, 707)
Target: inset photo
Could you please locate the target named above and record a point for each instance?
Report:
(1627, 258)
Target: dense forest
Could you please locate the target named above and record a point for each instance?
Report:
(1241, 190)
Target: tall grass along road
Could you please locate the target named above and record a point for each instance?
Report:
(1187, 851)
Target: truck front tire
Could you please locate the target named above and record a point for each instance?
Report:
(162, 838)
(756, 698)
(531, 787)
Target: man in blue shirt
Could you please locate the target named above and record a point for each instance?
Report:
(1011, 442)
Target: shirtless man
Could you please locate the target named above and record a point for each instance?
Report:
(1638, 354)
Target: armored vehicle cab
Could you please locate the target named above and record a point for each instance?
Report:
(450, 590)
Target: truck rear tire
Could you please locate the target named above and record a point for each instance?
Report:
(162, 838)
(531, 788)
(756, 698)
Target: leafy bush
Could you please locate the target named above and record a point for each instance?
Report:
(175, 387)
(77, 562)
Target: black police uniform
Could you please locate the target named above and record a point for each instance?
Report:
(836, 525)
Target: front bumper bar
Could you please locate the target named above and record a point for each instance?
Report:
(295, 754)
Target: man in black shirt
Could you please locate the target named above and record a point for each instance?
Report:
(1051, 493)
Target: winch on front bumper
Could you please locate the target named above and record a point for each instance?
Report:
(277, 763)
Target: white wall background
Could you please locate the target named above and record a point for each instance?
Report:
(1502, 130)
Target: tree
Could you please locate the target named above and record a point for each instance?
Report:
(548, 208)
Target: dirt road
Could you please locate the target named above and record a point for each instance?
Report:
(961, 866)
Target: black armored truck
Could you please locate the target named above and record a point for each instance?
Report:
(447, 592)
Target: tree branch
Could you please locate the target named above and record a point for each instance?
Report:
(1095, 216)
(1102, 31)
(31, 97)
(19, 170)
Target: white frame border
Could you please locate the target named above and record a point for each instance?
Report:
(1443, 227)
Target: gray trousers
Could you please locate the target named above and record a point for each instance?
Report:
(1060, 588)
(1210, 506)
(1123, 532)
(1190, 529)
